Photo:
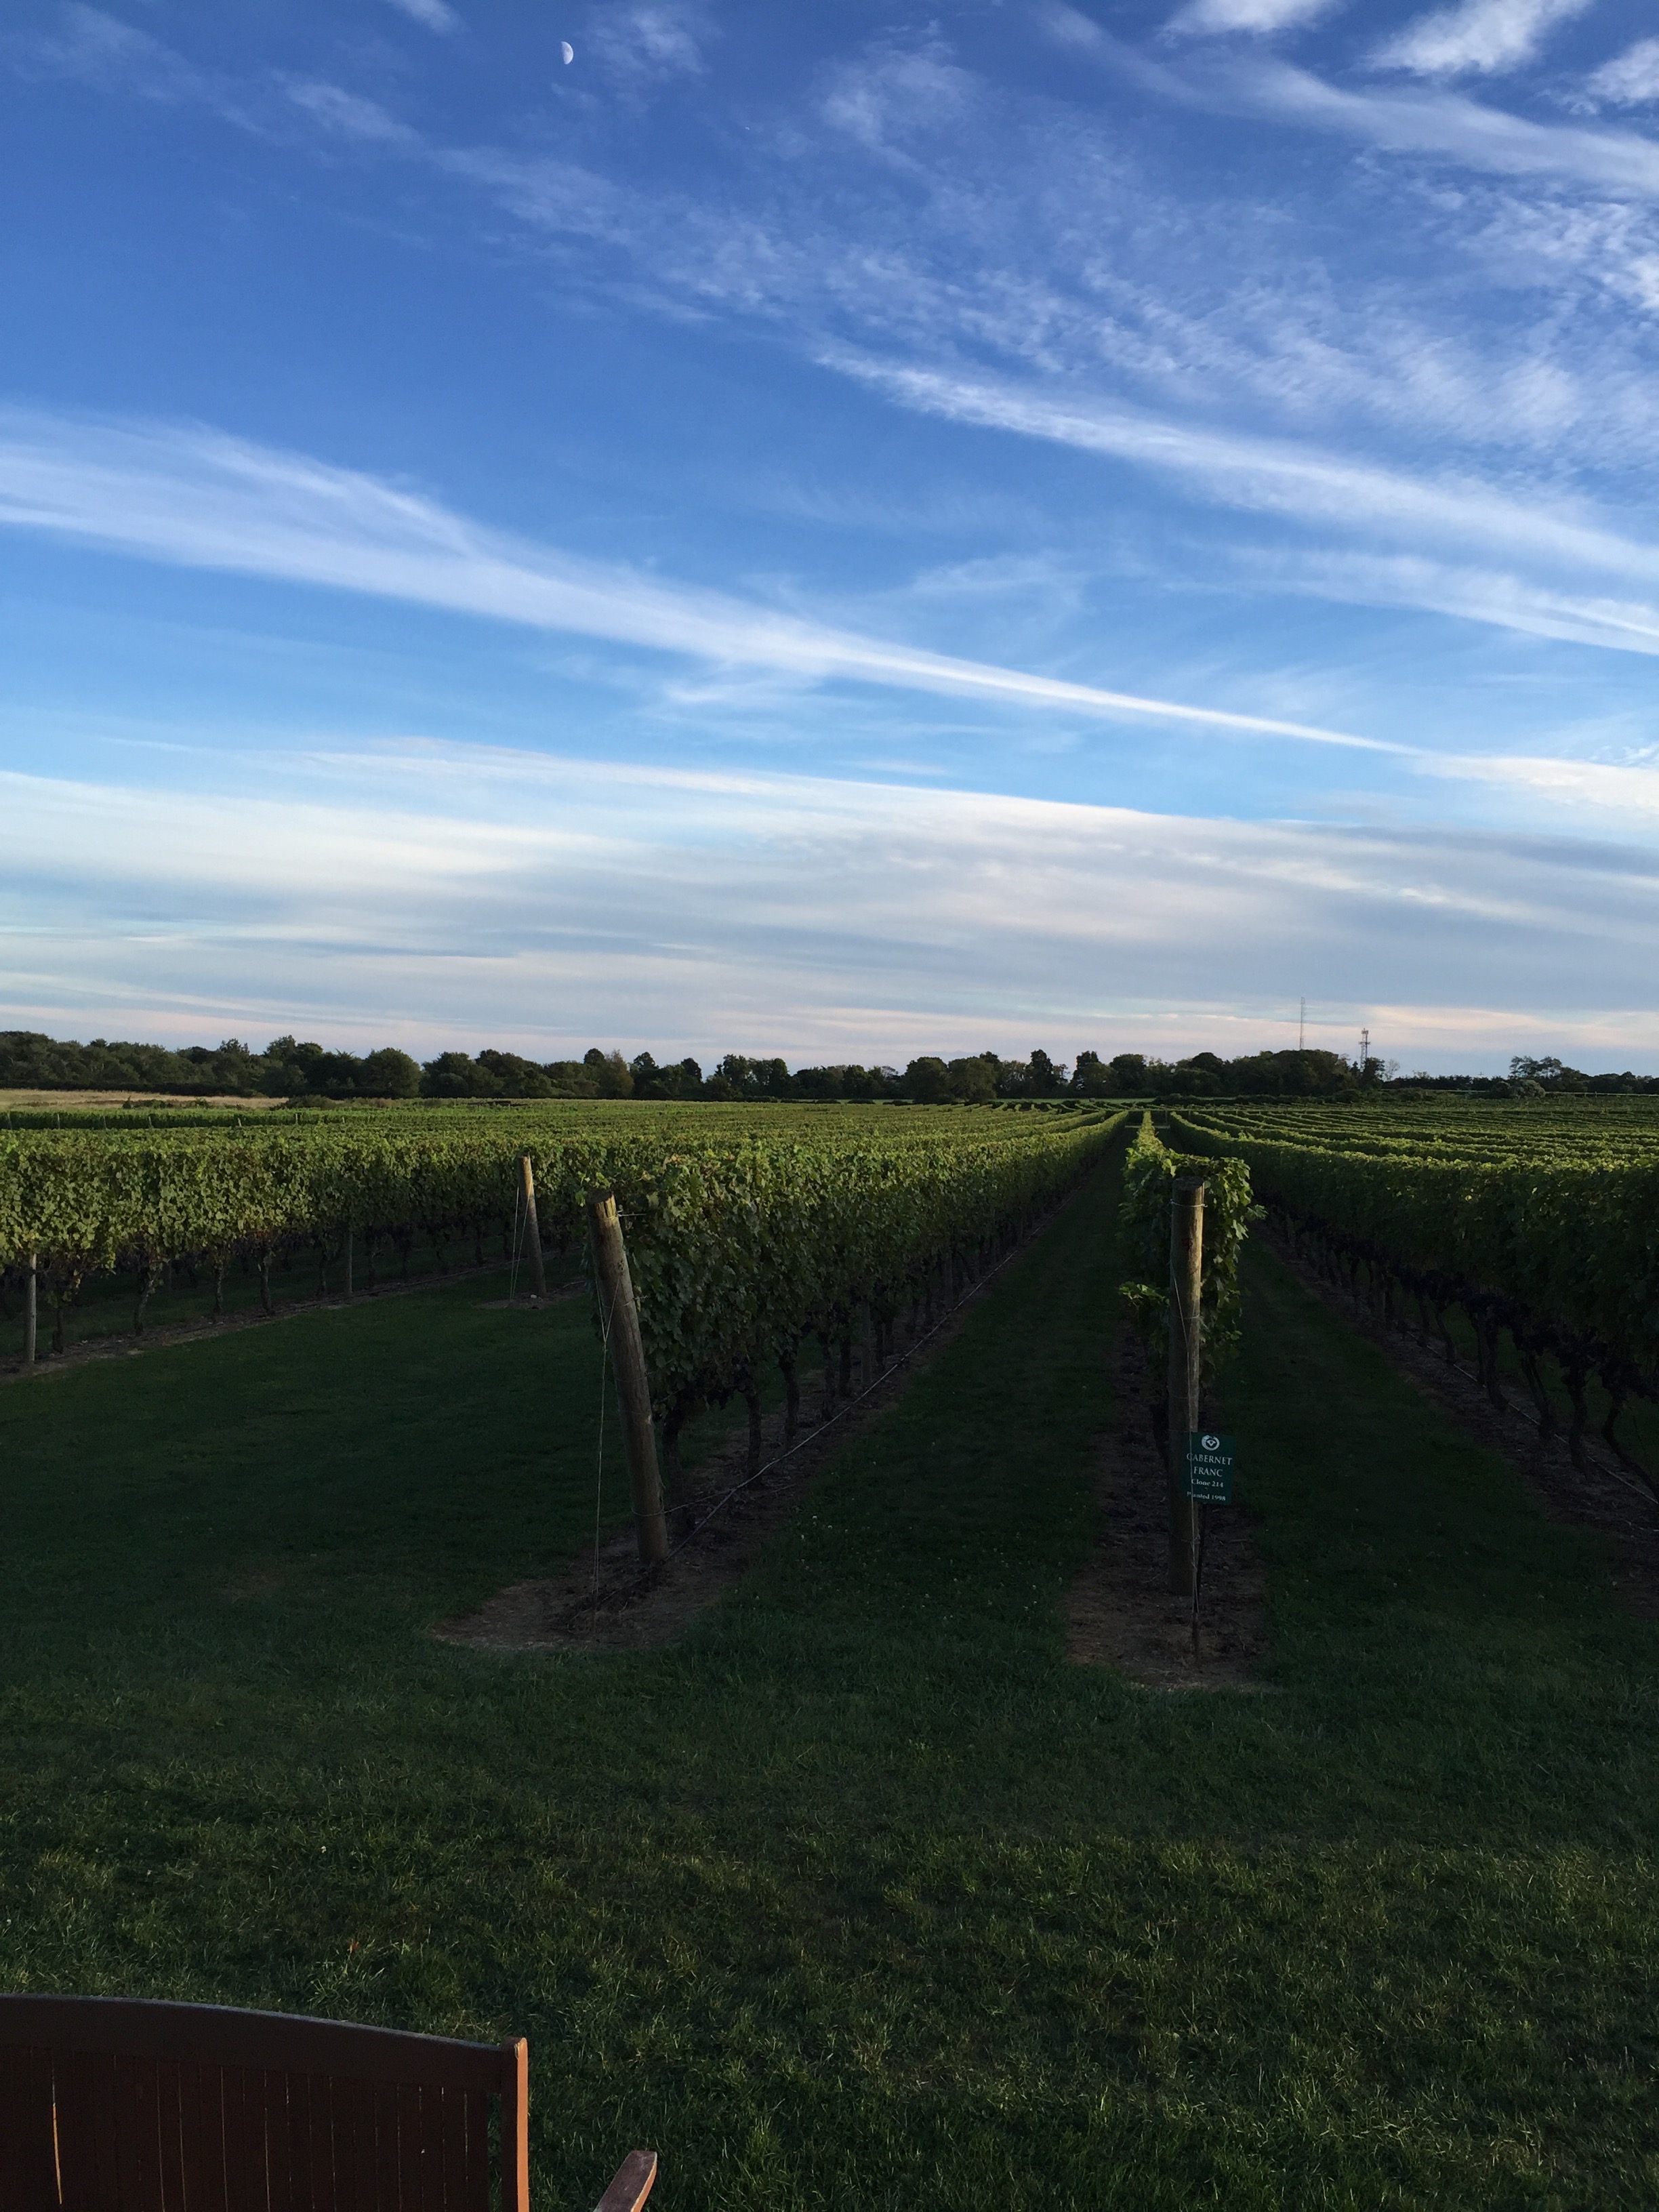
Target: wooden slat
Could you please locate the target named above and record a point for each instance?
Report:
(515, 2125)
(28, 2163)
(222, 2035)
(386, 2197)
(433, 2169)
(322, 2129)
(77, 2140)
(202, 2130)
(478, 2152)
(169, 2129)
(408, 2147)
(284, 2140)
(353, 2146)
(149, 2111)
(631, 2184)
(130, 2112)
(247, 2168)
(102, 2118)
(456, 2195)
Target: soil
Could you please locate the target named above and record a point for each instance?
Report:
(1602, 1497)
(604, 1603)
(1120, 1611)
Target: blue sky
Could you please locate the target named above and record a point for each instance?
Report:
(833, 532)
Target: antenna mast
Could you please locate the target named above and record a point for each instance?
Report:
(1301, 1029)
(1365, 1048)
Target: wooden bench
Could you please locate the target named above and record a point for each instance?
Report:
(119, 2105)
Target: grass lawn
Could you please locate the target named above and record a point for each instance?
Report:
(861, 1898)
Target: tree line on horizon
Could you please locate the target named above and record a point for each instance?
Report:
(289, 1068)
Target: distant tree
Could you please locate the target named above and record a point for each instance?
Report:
(571, 1078)
(974, 1079)
(683, 1080)
(1131, 1077)
(738, 1076)
(847, 1080)
(821, 1082)
(290, 1067)
(610, 1073)
(335, 1075)
(389, 1073)
(927, 1080)
(518, 1078)
(458, 1075)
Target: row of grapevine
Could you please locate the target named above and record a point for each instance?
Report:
(739, 1248)
(1150, 1169)
(1620, 1130)
(1557, 1243)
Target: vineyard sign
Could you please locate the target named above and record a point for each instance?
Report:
(1209, 1479)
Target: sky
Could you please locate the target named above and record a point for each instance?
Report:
(832, 532)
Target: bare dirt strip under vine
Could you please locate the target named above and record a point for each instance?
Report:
(1120, 1611)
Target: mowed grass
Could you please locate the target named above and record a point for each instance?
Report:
(860, 1896)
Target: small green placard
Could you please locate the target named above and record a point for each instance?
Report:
(1209, 1468)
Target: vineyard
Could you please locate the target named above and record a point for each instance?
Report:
(748, 1233)
(1536, 1223)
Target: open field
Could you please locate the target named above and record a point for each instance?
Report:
(69, 1102)
(860, 1896)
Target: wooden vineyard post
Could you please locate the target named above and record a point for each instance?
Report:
(617, 1306)
(1186, 1282)
(528, 1177)
(348, 1235)
(31, 1309)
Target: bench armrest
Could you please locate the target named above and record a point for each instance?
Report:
(631, 2184)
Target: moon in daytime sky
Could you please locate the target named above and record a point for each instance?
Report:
(567, 50)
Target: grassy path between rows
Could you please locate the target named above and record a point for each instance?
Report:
(861, 1898)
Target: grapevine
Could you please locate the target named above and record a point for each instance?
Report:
(1543, 1225)
(741, 1249)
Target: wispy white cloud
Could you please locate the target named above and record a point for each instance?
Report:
(100, 49)
(1129, 337)
(348, 115)
(344, 890)
(1610, 791)
(1463, 131)
(644, 41)
(1480, 35)
(207, 501)
(886, 99)
(1631, 79)
(433, 14)
(1093, 271)
(1259, 16)
(1469, 593)
(1278, 477)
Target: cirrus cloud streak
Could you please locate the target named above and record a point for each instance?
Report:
(204, 500)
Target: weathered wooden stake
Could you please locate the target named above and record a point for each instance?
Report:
(1186, 1283)
(528, 1177)
(348, 1286)
(616, 1288)
(31, 1310)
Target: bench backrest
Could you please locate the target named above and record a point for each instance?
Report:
(118, 2105)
